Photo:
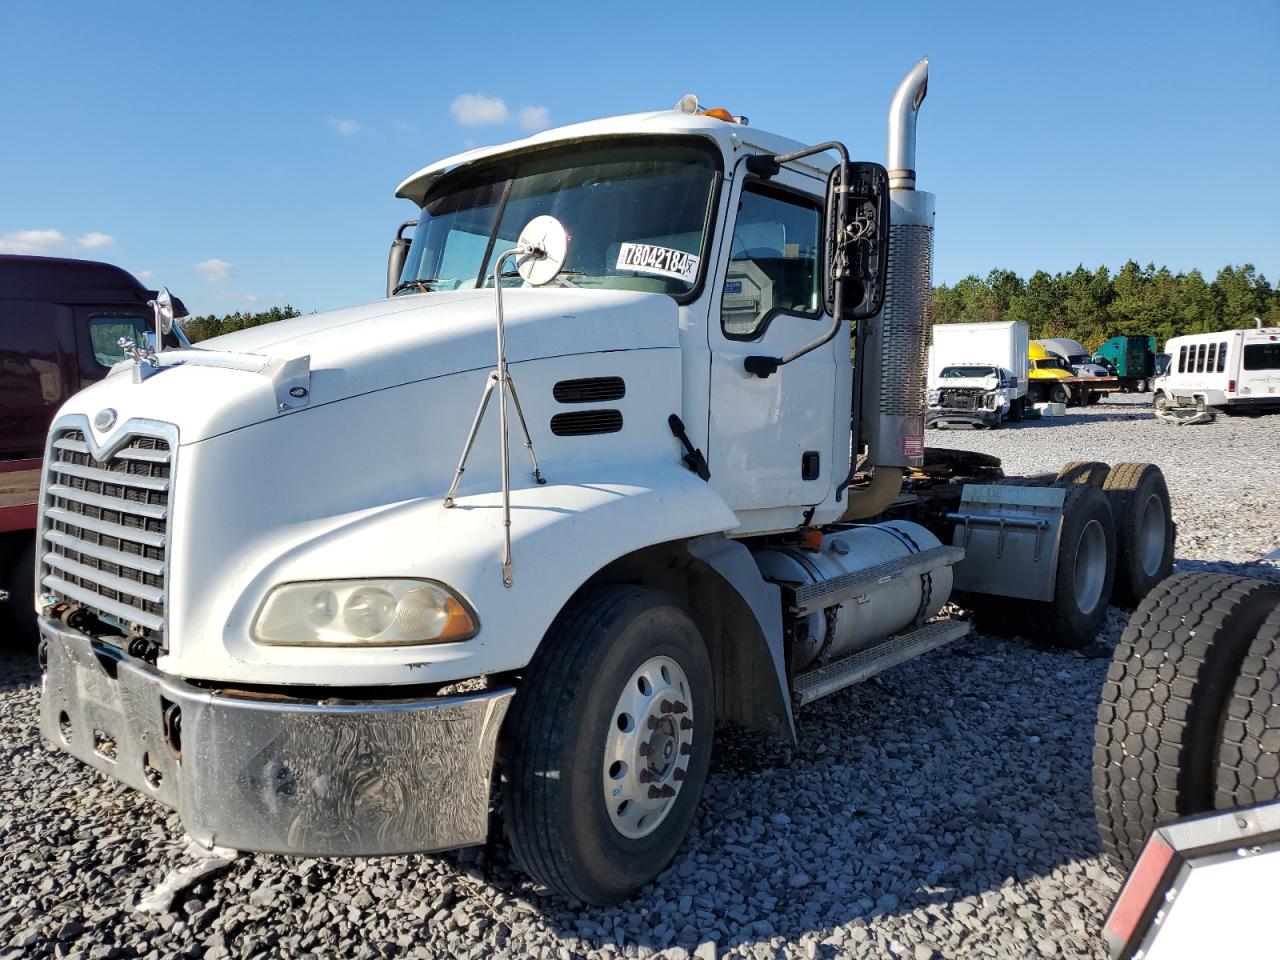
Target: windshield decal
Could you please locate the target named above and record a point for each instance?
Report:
(663, 261)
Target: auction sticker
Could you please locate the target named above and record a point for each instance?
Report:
(663, 261)
(913, 446)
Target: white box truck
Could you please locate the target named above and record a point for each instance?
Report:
(1235, 370)
(290, 585)
(977, 374)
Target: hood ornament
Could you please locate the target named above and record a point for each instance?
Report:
(145, 361)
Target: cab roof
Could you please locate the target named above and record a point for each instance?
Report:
(729, 137)
(61, 280)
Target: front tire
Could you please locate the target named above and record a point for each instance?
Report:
(21, 613)
(608, 744)
(1059, 393)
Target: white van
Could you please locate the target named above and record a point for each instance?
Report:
(1233, 370)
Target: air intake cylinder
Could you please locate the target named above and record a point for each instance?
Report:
(892, 409)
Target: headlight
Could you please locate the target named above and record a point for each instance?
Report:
(358, 613)
(935, 397)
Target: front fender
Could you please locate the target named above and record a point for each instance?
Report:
(561, 534)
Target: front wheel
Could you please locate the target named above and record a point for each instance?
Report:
(1059, 393)
(608, 744)
(1160, 403)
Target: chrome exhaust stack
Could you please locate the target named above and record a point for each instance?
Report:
(891, 407)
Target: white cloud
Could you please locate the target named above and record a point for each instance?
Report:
(214, 270)
(345, 127)
(478, 110)
(94, 240)
(144, 274)
(534, 119)
(32, 241)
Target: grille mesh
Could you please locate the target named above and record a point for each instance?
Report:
(908, 316)
(103, 536)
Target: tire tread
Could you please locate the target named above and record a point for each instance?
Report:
(1155, 741)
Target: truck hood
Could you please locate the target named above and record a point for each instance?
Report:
(373, 347)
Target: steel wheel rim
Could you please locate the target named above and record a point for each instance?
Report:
(1151, 529)
(1090, 566)
(648, 747)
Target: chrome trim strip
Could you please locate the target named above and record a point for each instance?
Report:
(118, 557)
(119, 479)
(154, 511)
(72, 519)
(115, 608)
(100, 577)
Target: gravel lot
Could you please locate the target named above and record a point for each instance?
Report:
(942, 809)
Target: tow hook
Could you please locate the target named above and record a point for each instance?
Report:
(172, 725)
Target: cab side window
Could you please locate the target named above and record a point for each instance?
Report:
(106, 331)
(773, 263)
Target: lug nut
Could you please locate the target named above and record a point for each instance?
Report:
(686, 749)
(645, 776)
(686, 723)
(677, 774)
(644, 749)
(652, 723)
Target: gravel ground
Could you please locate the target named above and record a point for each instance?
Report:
(940, 810)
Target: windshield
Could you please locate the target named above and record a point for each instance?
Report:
(636, 213)
(974, 373)
(1053, 363)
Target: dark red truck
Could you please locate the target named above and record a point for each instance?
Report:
(60, 321)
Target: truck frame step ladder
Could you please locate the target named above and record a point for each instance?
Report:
(867, 662)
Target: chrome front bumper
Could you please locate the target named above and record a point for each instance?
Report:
(275, 774)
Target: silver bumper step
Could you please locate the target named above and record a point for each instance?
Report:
(819, 596)
(869, 661)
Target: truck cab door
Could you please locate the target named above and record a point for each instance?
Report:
(775, 444)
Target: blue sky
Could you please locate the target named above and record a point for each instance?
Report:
(245, 154)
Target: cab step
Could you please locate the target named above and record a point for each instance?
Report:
(819, 596)
(869, 661)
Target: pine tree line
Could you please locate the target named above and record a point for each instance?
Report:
(1093, 305)
(208, 325)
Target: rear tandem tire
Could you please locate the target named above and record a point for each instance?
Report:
(1155, 752)
(1093, 473)
(605, 667)
(1145, 531)
(1086, 570)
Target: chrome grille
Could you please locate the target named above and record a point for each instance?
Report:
(104, 529)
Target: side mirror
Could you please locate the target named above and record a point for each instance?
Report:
(398, 255)
(163, 307)
(857, 242)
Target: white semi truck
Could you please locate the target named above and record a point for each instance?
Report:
(294, 584)
(978, 374)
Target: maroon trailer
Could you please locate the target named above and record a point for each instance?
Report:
(60, 321)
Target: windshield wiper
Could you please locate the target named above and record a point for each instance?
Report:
(424, 286)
